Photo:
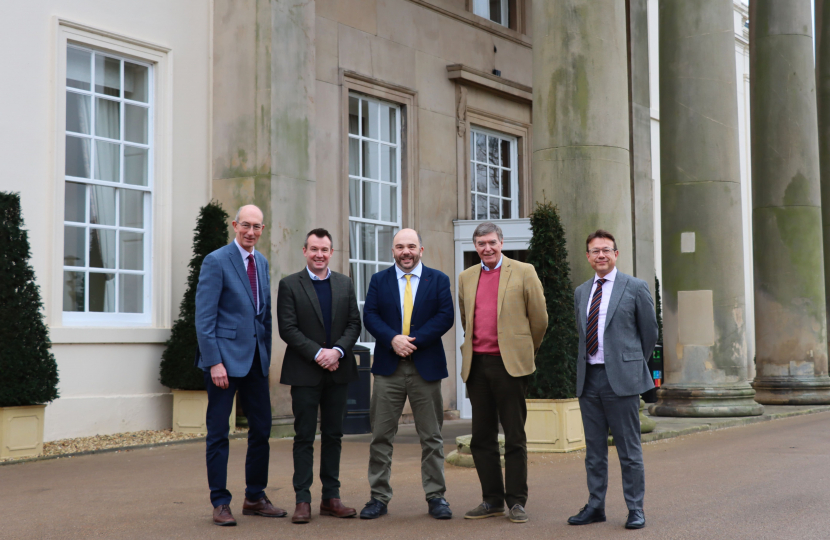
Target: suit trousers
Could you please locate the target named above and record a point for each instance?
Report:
(330, 399)
(256, 402)
(603, 409)
(497, 397)
(388, 398)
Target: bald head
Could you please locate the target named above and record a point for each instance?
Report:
(248, 226)
(407, 249)
(245, 212)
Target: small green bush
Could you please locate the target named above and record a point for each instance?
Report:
(177, 369)
(28, 371)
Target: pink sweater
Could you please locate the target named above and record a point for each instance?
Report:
(485, 323)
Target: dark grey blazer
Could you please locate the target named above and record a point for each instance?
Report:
(300, 322)
(629, 338)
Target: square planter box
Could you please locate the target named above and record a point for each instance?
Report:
(554, 425)
(190, 411)
(21, 431)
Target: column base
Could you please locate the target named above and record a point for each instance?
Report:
(706, 401)
(792, 390)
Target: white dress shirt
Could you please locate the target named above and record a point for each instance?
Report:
(245, 254)
(607, 287)
(413, 282)
(486, 269)
(314, 277)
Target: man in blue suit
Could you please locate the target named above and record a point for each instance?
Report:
(408, 308)
(233, 326)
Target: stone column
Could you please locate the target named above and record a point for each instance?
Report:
(581, 156)
(790, 313)
(705, 346)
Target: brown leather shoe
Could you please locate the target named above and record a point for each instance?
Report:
(262, 507)
(302, 514)
(334, 507)
(222, 516)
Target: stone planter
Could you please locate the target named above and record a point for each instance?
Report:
(190, 411)
(21, 431)
(554, 425)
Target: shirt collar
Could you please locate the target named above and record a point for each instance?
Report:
(415, 271)
(610, 277)
(243, 251)
(315, 278)
(484, 266)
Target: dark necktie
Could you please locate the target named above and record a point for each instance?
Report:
(252, 277)
(592, 345)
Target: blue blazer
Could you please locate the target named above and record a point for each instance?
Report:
(432, 316)
(228, 326)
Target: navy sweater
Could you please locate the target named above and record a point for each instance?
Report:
(323, 290)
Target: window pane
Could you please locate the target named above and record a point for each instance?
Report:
(353, 116)
(370, 160)
(389, 203)
(136, 165)
(388, 164)
(107, 76)
(505, 154)
(388, 123)
(107, 161)
(354, 230)
(371, 200)
(481, 207)
(102, 248)
(493, 150)
(74, 202)
(131, 256)
(107, 119)
(136, 82)
(78, 74)
(131, 293)
(367, 242)
(367, 271)
(493, 181)
(101, 292)
(369, 118)
(505, 183)
(505, 208)
(354, 197)
(354, 157)
(78, 113)
(473, 206)
(481, 148)
(136, 124)
(73, 291)
(495, 11)
(78, 157)
(495, 207)
(132, 208)
(481, 179)
(354, 275)
(365, 336)
(74, 246)
(385, 236)
(102, 205)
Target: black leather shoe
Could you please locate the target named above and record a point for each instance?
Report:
(373, 509)
(636, 519)
(587, 515)
(439, 508)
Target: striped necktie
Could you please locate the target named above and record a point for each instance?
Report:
(252, 278)
(592, 344)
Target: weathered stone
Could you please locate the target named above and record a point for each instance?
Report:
(647, 424)
(463, 456)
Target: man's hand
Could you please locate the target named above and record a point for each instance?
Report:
(328, 359)
(219, 376)
(403, 345)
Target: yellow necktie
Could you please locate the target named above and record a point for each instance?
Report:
(407, 305)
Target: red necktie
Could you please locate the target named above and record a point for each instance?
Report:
(593, 319)
(252, 278)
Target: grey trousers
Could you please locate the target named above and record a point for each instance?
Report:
(601, 408)
(388, 398)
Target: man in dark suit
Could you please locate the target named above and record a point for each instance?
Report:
(408, 308)
(233, 327)
(319, 320)
(617, 332)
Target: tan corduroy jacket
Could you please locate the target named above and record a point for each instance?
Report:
(522, 316)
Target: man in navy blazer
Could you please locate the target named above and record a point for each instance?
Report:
(408, 308)
(233, 327)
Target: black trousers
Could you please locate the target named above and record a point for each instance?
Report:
(496, 396)
(330, 399)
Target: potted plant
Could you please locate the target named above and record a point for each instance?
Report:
(554, 421)
(178, 371)
(28, 371)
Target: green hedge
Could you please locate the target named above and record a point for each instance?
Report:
(177, 369)
(28, 372)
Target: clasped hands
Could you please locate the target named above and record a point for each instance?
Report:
(328, 359)
(403, 345)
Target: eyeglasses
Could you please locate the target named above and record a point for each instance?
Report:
(246, 226)
(604, 251)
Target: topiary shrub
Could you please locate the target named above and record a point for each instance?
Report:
(555, 376)
(28, 372)
(177, 369)
(658, 303)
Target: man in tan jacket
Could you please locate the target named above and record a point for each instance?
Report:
(504, 316)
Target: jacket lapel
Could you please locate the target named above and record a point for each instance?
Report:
(336, 290)
(260, 280)
(470, 298)
(503, 278)
(616, 294)
(583, 304)
(312, 295)
(393, 291)
(424, 282)
(236, 261)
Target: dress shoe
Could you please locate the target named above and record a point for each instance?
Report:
(302, 514)
(222, 516)
(636, 519)
(484, 510)
(517, 514)
(439, 508)
(373, 509)
(587, 515)
(262, 507)
(334, 507)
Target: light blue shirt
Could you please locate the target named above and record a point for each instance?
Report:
(607, 287)
(315, 278)
(484, 266)
(245, 254)
(413, 282)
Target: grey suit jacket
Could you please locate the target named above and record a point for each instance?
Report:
(629, 338)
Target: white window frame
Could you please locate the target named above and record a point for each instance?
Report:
(482, 9)
(397, 224)
(514, 172)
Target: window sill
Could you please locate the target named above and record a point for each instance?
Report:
(468, 17)
(503, 87)
(87, 335)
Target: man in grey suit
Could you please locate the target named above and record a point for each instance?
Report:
(617, 332)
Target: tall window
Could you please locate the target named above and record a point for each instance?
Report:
(374, 190)
(108, 188)
(497, 11)
(494, 175)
